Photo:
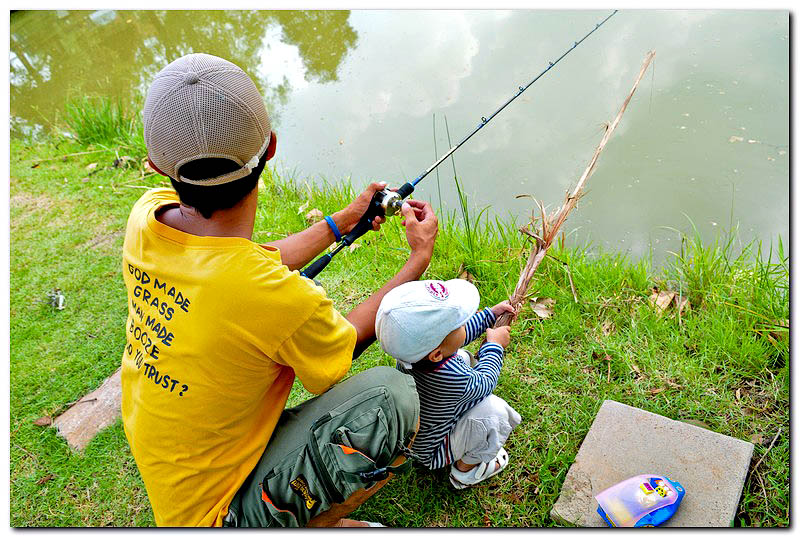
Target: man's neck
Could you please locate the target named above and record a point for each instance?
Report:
(238, 221)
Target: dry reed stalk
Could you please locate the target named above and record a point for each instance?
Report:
(550, 225)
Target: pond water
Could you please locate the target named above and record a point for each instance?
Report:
(354, 94)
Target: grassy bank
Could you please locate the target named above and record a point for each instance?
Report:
(722, 362)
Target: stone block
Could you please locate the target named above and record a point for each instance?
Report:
(95, 411)
(624, 441)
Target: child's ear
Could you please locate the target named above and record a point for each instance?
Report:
(435, 355)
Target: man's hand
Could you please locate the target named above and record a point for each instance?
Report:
(347, 218)
(501, 336)
(501, 308)
(421, 227)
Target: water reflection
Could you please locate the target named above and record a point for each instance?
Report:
(705, 136)
(117, 53)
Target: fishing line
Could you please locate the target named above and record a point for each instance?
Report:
(435, 154)
(388, 203)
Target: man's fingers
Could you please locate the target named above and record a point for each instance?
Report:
(377, 186)
(407, 209)
(425, 208)
(416, 203)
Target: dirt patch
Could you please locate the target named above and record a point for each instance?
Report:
(24, 205)
(103, 241)
(31, 202)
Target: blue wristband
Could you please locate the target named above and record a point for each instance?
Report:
(334, 229)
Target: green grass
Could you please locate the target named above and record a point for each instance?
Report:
(725, 362)
(102, 121)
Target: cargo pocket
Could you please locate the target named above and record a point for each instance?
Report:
(368, 434)
(355, 442)
(349, 463)
(293, 495)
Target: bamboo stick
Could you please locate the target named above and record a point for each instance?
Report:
(551, 225)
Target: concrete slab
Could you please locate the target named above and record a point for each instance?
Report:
(624, 441)
(95, 411)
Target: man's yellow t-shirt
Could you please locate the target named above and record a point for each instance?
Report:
(217, 329)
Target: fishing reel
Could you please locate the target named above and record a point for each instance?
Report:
(389, 201)
(384, 203)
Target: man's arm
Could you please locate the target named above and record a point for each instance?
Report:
(421, 229)
(300, 248)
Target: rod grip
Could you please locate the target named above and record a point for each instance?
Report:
(314, 269)
(405, 190)
(364, 225)
(375, 209)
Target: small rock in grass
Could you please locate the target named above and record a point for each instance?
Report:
(315, 215)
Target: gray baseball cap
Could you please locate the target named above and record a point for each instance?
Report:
(202, 106)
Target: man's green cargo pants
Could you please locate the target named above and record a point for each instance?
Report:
(330, 453)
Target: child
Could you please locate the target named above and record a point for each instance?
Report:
(423, 324)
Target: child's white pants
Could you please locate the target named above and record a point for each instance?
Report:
(480, 434)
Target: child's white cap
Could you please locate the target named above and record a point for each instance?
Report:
(415, 317)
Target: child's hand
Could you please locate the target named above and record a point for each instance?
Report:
(501, 336)
(501, 308)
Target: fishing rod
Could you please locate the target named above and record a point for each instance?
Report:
(388, 203)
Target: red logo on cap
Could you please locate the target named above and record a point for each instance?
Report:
(437, 290)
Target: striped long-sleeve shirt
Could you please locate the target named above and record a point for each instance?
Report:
(449, 388)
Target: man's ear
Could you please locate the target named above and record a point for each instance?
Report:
(154, 167)
(273, 142)
(435, 355)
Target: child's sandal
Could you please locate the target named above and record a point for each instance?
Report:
(479, 473)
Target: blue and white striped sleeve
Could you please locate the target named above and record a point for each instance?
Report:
(485, 375)
(478, 323)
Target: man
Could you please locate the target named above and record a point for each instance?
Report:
(218, 328)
